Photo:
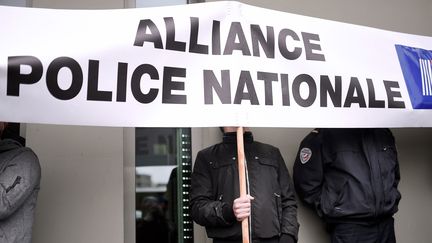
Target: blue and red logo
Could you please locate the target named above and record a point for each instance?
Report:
(416, 66)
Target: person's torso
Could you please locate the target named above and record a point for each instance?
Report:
(360, 173)
(262, 173)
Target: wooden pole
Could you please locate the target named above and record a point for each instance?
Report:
(242, 180)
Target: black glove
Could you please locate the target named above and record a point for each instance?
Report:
(286, 238)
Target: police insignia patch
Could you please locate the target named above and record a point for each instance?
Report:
(305, 155)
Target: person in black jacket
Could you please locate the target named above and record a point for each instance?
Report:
(350, 177)
(215, 201)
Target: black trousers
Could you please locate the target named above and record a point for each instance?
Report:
(272, 240)
(377, 232)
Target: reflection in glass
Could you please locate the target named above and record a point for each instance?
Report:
(163, 167)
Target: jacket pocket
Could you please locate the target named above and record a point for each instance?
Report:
(268, 162)
(226, 186)
(278, 201)
(332, 199)
(389, 168)
(341, 197)
(390, 156)
(269, 168)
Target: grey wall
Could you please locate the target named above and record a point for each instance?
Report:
(81, 196)
(414, 220)
(411, 17)
(79, 4)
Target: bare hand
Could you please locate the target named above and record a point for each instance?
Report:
(242, 207)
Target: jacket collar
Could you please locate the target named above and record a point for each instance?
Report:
(231, 137)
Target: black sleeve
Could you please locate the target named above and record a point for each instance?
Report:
(206, 209)
(308, 170)
(289, 224)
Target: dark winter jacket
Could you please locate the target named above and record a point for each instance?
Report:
(349, 175)
(215, 185)
(19, 186)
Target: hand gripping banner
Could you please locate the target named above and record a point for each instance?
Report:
(210, 64)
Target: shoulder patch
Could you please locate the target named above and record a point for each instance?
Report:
(305, 155)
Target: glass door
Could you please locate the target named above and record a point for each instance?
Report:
(163, 168)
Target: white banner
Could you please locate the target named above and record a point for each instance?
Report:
(211, 64)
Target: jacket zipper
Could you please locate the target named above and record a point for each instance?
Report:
(371, 171)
